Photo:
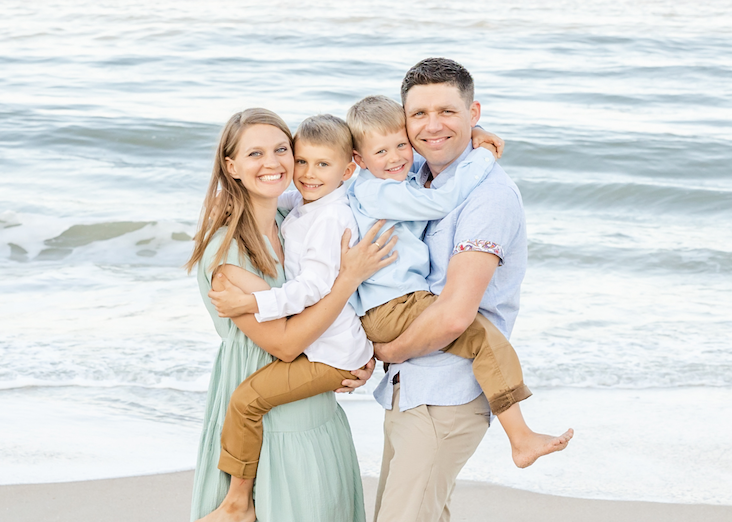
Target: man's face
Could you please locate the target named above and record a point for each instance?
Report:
(439, 123)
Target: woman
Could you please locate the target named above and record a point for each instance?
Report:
(307, 468)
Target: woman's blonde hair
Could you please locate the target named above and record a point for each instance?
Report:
(234, 205)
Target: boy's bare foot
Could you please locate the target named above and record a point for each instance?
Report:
(237, 506)
(526, 449)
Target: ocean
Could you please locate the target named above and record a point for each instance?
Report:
(618, 121)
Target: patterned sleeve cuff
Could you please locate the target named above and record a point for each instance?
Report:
(480, 245)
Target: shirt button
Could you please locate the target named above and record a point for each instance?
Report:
(476, 177)
(487, 159)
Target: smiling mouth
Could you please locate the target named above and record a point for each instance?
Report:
(271, 177)
(309, 186)
(436, 141)
(394, 170)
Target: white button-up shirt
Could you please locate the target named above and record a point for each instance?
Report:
(312, 235)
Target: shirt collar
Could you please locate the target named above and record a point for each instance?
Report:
(339, 193)
(442, 177)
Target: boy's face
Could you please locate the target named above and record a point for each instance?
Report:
(319, 170)
(386, 156)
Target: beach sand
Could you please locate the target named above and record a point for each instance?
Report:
(166, 498)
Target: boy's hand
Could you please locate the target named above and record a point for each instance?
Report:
(361, 375)
(230, 300)
(488, 140)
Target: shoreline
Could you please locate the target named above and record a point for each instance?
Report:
(166, 498)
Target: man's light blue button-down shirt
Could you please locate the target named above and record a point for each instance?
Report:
(491, 214)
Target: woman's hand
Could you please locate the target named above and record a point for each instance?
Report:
(367, 256)
(361, 375)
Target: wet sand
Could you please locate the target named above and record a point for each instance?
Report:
(166, 498)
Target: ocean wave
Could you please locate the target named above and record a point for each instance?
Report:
(678, 258)
(631, 198)
(199, 385)
(26, 239)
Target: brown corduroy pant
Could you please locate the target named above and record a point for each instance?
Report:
(495, 364)
(272, 385)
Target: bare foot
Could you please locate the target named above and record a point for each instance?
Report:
(231, 512)
(528, 448)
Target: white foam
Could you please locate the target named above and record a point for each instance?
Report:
(665, 445)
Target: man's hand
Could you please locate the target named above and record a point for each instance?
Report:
(385, 353)
(362, 376)
(229, 299)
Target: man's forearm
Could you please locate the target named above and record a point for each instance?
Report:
(434, 329)
(468, 276)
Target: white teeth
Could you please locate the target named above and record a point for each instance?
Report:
(271, 177)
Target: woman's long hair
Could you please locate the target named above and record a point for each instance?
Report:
(234, 205)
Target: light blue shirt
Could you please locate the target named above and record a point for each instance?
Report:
(490, 219)
(407, 206)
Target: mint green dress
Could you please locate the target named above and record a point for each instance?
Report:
(308, 470)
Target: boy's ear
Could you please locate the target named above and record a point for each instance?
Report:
(358, 159)
(350, 169)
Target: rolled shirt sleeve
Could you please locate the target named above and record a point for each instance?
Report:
(490, 224)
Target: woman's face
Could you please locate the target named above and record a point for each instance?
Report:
(264, 162)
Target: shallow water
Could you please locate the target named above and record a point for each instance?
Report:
(617, 118)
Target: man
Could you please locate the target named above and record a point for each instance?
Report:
(436, 413)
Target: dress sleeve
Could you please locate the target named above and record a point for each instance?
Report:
(407, 201)
(319, 266)
(232, 257)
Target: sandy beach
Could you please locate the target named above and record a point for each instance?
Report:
(166, 498)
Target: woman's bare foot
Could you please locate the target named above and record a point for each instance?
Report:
(529, 447)
(231, 513)
(237, 506)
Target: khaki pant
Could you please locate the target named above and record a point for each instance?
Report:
(272, 385)
(495, 364)
(424, 450)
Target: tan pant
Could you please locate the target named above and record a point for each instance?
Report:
(272, 385)
(424, 450)
(495, 364)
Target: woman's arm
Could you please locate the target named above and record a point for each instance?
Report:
(288, 338)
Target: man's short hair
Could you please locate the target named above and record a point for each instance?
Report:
(327, 130)
(374, 114)
(440, 70)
